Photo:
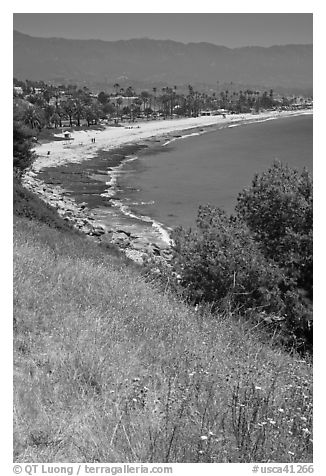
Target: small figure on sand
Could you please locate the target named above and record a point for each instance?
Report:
(93, 139)
(48, 152)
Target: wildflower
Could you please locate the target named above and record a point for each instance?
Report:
(290, 432)
(257, 388)
(306, 431)
(290, 453)
(303, 418)
(272, 422)
(211, 433)
(201, 452)
(203, 438)
(281, 410)
(136, 379)
(134, 399)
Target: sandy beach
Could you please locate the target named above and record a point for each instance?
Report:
(103, 218)
(81, 147)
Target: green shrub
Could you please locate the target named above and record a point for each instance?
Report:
(22, 147)
(221, 263)
(278, 209)
(260, 261)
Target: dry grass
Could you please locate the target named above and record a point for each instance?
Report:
(109, 369)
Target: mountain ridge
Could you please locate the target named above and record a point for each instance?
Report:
(169, 61)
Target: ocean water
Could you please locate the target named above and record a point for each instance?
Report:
(168, 184)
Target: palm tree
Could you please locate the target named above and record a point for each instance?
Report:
(56, 120)
(32, 117)
(79, 111)
(69, 109)
(145, 97)
(154, 91)
(119, 101)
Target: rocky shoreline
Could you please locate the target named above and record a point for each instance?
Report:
(136, 247)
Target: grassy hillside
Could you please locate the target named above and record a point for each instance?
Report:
(108, 368)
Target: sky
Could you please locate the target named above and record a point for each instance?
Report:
(227, 29)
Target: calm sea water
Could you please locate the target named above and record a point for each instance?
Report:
(213, 168)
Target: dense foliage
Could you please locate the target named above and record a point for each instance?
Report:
(259, 262)
(48, 105)
(278, 210)
(23, 155)
(221, 263)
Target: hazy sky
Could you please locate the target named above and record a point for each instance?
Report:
(229, 29)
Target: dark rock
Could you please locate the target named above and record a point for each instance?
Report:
(124, 231)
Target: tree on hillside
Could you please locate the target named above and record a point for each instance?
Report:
(278, 209)
(22, 147)
(220, 263)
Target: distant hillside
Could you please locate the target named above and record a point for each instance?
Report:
(160, 61)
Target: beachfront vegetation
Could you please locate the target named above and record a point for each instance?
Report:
(109, 368)
(49, 106)
(258, 263)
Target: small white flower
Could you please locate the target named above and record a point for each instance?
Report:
(272, 422)
(290, 453)
(281, 410)
(203, 438)
(258, 388)
(306, 431)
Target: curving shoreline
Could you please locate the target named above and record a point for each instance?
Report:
(136, 245)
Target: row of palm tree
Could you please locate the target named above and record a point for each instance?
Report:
(51, 108)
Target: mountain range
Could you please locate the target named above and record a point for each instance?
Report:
(160, 62)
